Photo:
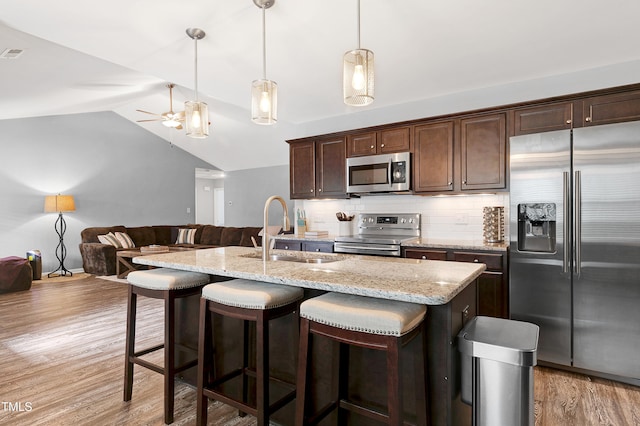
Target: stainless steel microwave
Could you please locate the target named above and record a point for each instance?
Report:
(379, 173)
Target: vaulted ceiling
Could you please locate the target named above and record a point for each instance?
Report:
(431, 56)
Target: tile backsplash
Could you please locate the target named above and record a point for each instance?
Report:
(443, 217)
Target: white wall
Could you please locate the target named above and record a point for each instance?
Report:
(119, 174)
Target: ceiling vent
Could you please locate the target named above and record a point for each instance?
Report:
(11, 53)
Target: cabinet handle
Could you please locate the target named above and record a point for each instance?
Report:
(317, 249)
(464, 182)
(320, 190)
(476, 261)
(371, 147)
(568, 121)
(381, 145)
(588, 119)
(286, 247)
(449, 183)
(311, 190)
(424, 257)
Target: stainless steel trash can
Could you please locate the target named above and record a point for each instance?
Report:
(497, 357)
(35, 259)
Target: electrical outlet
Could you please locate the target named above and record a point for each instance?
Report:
(461, 219)
(188, 209)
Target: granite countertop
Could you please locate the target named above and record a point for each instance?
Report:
(419, 281)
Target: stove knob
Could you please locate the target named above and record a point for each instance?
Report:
(411, 220)
(403, 220)
(370, 220)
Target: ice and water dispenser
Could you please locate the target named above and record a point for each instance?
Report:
(537, 227)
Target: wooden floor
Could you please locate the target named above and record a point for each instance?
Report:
(61, 363)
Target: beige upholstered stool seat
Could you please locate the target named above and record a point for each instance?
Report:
(167, 279)
(255, 303)
(251, 294)
(364, 314)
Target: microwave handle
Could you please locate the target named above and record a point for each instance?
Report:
(389, 171)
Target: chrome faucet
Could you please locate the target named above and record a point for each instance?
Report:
(266, 243)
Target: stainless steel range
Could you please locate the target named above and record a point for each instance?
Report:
(380, 234)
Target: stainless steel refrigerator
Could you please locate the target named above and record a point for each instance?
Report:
(575, 246)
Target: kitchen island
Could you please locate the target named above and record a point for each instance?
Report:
(448, 288)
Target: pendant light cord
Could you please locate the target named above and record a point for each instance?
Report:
(264, 43)
(196, 67)
(358, 24)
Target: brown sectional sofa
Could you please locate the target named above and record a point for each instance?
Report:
(100, 259)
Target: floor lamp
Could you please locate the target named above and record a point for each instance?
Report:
(59, 204)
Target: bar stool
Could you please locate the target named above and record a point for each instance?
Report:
(366, 322)
(169, 285)
(250, 301)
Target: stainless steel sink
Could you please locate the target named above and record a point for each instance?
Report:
(289, 258)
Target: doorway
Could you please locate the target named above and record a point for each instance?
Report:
(209, 197)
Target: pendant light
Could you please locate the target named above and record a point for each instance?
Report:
(196, 112)
(264, 93)
(357, 77)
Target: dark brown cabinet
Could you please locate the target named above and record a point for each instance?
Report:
(493, 284)
(483, 152)
(608, 109)
(591, 111)
(316, 246)
(433, 157)
(543, 118)
(468, 154)
(317, 169)
(397, 139)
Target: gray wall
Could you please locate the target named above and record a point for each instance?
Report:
(118, 173)
(245, 192)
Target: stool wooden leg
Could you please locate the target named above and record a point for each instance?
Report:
(422, 380)
(130, 344)
(303, 372)
(204, 361)
(262, 370)
(245, 364)
(394, 381)
(343, 380)
(169, 355)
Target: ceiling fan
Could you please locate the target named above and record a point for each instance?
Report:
(169, 118)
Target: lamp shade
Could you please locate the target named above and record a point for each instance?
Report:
(264, 102)
(59, 203)
(358, 78)
(197, 119)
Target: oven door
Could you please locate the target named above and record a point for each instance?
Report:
(379, 173)
(367, 248)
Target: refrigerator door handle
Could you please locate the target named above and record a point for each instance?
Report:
(577, 220)
(565, 222)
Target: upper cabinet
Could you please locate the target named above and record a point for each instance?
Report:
(610, 109)
(483, 152)
(433, 157)
(317, 168)
(386, 141)
(543, 118)
(581, 112)
(467, 154)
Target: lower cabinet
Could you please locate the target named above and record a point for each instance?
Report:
(296, 245)
(493, 284)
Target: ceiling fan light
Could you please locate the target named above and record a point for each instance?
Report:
(358, 77)
(264, 102)
(197, 119)
(172, 123)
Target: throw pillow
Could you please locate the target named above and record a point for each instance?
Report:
(125, 240)
(186, 236)
(109, 239)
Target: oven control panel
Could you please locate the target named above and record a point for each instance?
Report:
(385, 221)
